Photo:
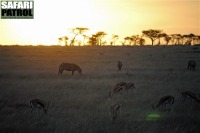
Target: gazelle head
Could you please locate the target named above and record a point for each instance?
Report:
(130, 86)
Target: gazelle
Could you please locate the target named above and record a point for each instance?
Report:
(163, 101)
(115, 110)
(189, 95)
(39, 104)
(121, 86)
(117, 88)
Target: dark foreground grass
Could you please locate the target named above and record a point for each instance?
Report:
(80, 104)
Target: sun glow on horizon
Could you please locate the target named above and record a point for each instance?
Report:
(54, 19)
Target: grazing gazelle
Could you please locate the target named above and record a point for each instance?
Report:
(121, 86)
(189, 95)
(39, 104)
(117, 88)
(191, 65)
(115, 110)
(69, 67)
(119, 65)
(163, 101)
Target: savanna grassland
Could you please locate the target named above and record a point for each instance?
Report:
(80, 103)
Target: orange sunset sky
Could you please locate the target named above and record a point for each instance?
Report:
(53, 19)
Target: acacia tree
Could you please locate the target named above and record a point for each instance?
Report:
(59, 40)
(190, 37)
(77, 31)
(135, 39)
(160, 35)
(196, 39)
(141, 41)
(93, 41)
(114, 39)
(100, 35)
(167, 38)
(63, 39)
(177, 38)
(151, 34)
(129, 39)
(84, 38)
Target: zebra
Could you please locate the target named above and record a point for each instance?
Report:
(69, 67)
(39, 104)
(163, 101)
(189, 95)
(115, 110)
(191, 65)
(119, 65)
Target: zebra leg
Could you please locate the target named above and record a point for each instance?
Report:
(61, 73)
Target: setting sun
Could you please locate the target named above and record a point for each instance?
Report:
(53, 19)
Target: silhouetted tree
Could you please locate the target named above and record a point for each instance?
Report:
(176, 38)
(77, 31)
(127, 39)
(160, 35)
(99, 36)
(63, 39)
(135, 39)
(60, 40)
(93, 40)
(151, 34)
(114, 39)
(191, 37)
(167, 39)
(141, 41)
(196, 39)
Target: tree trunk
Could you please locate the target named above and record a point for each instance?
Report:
(152, 42)
(72, 42)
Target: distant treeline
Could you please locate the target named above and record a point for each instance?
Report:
(156, 36)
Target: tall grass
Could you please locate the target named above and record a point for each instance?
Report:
(81, 103)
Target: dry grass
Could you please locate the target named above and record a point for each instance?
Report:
(81, 103)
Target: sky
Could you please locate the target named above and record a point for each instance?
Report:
(53, 19)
